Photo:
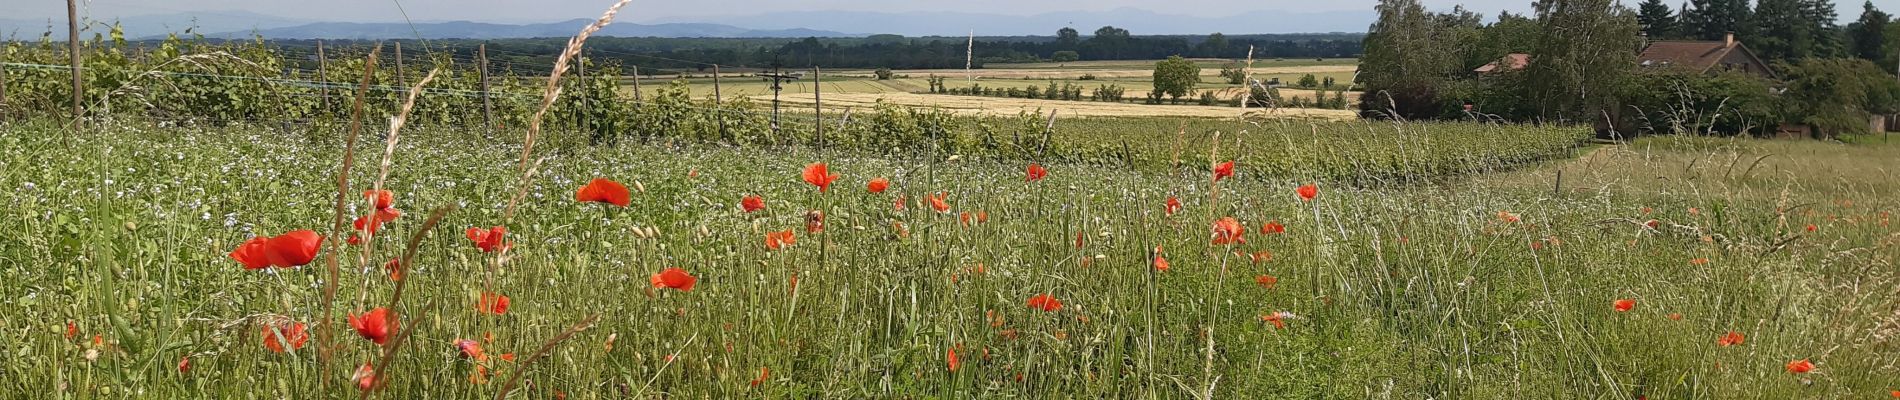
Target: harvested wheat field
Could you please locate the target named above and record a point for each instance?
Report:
(975, 105)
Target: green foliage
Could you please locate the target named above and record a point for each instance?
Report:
(1679, 102)
(1309, 81)
(1867, 36)
(1657, 20)
(1837, 95)
(1176, 77)
(884, 74)
(1065, 56)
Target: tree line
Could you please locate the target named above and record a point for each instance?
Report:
(1583, 66)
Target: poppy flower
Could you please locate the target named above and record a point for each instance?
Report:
(492, 303)
(752, 203)
(1307, 192)
(779, 239)
(381, 199)
(1272, 227)
(898, 203)
(1036, 172)
(1699, 261)
(1223, 171)
(814, 221)
(374, 325)
(951, 359)
(1508, 216)
(1652, 224)
(674, 278)
(1173, 205)
(1732, 338)
(1161, 263)
(1266, 281)
(72, 330)
(292, 249)
(292, 333)
(764, 373)
(395, 269)
(1800, 366)
(1079, 240)
(818, 175)
(937, 202)
(1624, 305)
(1228, 231)
(603, 190)
(1812, 228)
(1045, 302)
(470, 349)
(878, 185)
(489, 240)
(1277, 318)
(1260, 256)
(1895, 394)
(365, 377)
(897, 228)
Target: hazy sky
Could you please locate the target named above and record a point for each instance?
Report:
(557, 10)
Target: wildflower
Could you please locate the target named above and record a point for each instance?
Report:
(1272, 227)
(1800, 366)
(603, 190)
(365, 377)
(1732, 338)
(1173, 205)
(1266, 281)
(1260, 256)
(1045, 302)
(1507, 216)
(374, 325)
(1307, 192)
(1675, 316)
(752, 203)
(489, 240)
(951, 359)
(1036, 172)
(1160, 263)
(395, 269)
(814, 221)
(184, 364)
(291, 333)
(292, 249)
(380, 199)
(1652, 224)
(818, 175)
(1624, 305)
(72, 329)
(470, 349)
(1812, 228)
(1277, 318)
(492, 303)
(674, 278)
(878, 185)
(779, 239)
(1228, 231)
(937, 202)
(764, 373)
(1223, 171)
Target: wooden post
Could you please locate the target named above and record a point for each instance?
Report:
(1047, 132)
(636, 87)
(719, 103)
(488, 110)
(818, 106)
(72, 48)
(3, 86)
(323, 78)
(402, 85)
(580, 74)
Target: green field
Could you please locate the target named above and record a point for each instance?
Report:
(1436, 261)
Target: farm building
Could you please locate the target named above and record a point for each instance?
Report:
(1704, 56)
(1514, 61)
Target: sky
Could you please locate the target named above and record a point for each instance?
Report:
(520, 11)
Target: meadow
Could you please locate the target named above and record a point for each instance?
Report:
(1443, 260)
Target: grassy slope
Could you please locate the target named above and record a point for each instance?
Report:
(1404, 292)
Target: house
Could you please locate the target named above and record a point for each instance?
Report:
(1516, 61)
(1704, 57)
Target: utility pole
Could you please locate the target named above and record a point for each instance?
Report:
(72, 48)
(776, 78)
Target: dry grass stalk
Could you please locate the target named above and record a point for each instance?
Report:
(561, 65)
(543, 352)
(402, 335)
(324, 336)
(389, 153)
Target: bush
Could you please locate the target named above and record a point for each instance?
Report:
(884, 74)
(1065, 56)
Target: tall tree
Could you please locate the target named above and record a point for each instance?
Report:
(1819, 17)
(1657, 19)
(1782, 34)
(1712, 19)
(1176, 77)
(1404, 61)
(1583, 58)
(1067, 38)
(1215, 45)
(1868, 35)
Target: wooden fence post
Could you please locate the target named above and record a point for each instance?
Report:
(637, 99)
(323, 78)
(719, 103)
(818, 106)
(72, 49)
(3, 88)
(581, 118)
(488, 110)
(402, 85)
(1047, 132)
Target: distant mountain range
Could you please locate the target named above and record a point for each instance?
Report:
(241, 24)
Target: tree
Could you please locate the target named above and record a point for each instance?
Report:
(1713, 19)
(1406, 60)
(1837, 95)
(1656, 18)
(1795, 29)
(1583, 58)
(1065, 56)
(1868, 35)
(1067, 38)
(1110, 40)
(884, 74)
(1215, 45)
(1176, 77)
(1309, 81)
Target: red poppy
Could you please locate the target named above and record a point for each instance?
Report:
(1812, 228)
(1078, 240)
(470, 349)
(752, 203)
(1045, 302)
(603, 190)
(952, 359)
(937, 202)
(1173, 205)
(395, 269)
(1036, 172)
(1652, 224)
(489, 240)
(878, 185)
(1800, 366)
(1732, 338)
(674, 278)
(1161, 263)
(292, 249)
(1277, 318)
(374, 325)
(492, 303)
(72, 330)
(288, 332)
(1508, 216)
(1624, 305)
(898, 203)
(764, 373)
(365, 377)
(1228, 231)
(814, 221)
(1272, 227)
(1223, 171)
(1266, 281)
(818, 175)
(779, 239)
(1308, 192)
(381, 199)
(1675, 316)
(1895, 394)
(184, 364)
